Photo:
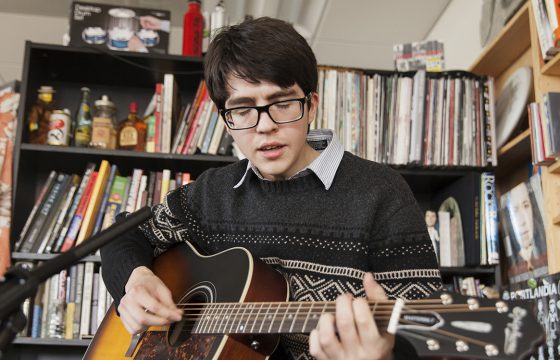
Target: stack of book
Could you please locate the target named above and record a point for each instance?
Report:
(71, 208)
(193, 128)
(429, 119)
(547, 16)
(545, 123)
(467, 222)
(69, 305)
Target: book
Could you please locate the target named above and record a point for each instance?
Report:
(69, 197)
(87, 294)
(115, 202)
(44, 190)
(101, 213)
(71, 303)
(78, 300)
(166, 175)
(522, 221)
(75, 224)
(44, 216)
(95, 201)
(90, 168)
(133, 191)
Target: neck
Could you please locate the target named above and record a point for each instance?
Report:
(273, 318)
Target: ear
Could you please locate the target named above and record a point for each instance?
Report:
(313, 107)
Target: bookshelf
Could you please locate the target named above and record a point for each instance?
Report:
(126, 77)
(515, 46)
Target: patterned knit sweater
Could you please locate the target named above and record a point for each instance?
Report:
(322, 241)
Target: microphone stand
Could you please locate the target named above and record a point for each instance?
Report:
(19, 285)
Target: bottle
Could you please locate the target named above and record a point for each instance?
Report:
(82, 127)
(103, 134)
(132, 131)
(193, 30)
(39, 116)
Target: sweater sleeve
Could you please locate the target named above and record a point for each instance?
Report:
(139, 247)
(401, 255)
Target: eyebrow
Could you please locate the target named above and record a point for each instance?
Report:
(250, 100)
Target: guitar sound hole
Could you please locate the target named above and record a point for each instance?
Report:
(181, 331)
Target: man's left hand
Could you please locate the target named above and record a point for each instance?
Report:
(358, 335)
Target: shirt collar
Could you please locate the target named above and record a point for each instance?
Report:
(324, 166)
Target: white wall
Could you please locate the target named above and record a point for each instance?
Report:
(458, 29)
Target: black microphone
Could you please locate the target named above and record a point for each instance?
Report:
(15, 290)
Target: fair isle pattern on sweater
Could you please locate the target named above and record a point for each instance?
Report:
(322, 241)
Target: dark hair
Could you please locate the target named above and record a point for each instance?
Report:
(256, 50)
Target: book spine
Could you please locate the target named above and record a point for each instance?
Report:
(115, 202)
(104, 201)
(158, 115)
(75, 182)
(31, 241)
(36, 206)
(76, 223)
(166, 175)
(71, 304)
(95, 201)
(94, 304)
(78, 300)
(133, 191)
(87, 294)
(75, 203)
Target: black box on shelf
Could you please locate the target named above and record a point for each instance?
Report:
(118, 27)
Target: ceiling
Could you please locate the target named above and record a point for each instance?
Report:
(357, 33)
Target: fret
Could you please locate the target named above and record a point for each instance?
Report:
(229, 317)
(257, 318)
(237, 318)
(198, 322)
(286, 312)
(215, 316)
(242, 328)
(274, 317)
(232, 316)
(295, 318)
(204, 319)
(225, 316)
(309, 311)
(266, 316)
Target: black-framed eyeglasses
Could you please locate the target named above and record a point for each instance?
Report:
(281, 112)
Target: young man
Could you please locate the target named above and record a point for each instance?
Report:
(329, 221)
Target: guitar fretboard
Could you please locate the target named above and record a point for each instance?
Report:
(268, 318)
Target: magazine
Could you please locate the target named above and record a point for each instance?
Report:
(523, 235)
(544, 293)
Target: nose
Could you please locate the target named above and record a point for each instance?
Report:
(265, 123)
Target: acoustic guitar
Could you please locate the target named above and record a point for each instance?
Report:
(235, 307)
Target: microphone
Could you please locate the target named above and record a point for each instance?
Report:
(15, 290)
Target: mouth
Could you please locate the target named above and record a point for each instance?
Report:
(271, 151)
(270, 147)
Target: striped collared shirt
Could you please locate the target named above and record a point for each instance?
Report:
(324, 166)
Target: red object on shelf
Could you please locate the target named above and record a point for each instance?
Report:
(193, 30)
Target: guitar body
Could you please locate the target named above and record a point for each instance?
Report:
(233, 275)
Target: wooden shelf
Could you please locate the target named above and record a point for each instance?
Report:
(555, 168)
(50, 341)
(514, 152)
(28, 256)
(507, 47)
(552, 67)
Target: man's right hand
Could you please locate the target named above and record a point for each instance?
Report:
(147, 302)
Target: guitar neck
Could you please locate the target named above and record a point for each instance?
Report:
(270, 318)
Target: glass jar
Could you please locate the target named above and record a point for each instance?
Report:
(103, 133)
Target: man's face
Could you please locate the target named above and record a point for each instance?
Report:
(522, 216)
(277, 150)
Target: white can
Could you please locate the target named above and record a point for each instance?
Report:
(59, 128)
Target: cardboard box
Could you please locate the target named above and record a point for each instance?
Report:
(119, 27)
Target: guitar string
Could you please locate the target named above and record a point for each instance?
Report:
(310, 310)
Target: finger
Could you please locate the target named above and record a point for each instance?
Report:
(315, 347)
(166, 298)
(345, 322)
(374, 291)
(147, 318)
(365, 324)
(162, 309)
(328, 340)
(131, 325)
